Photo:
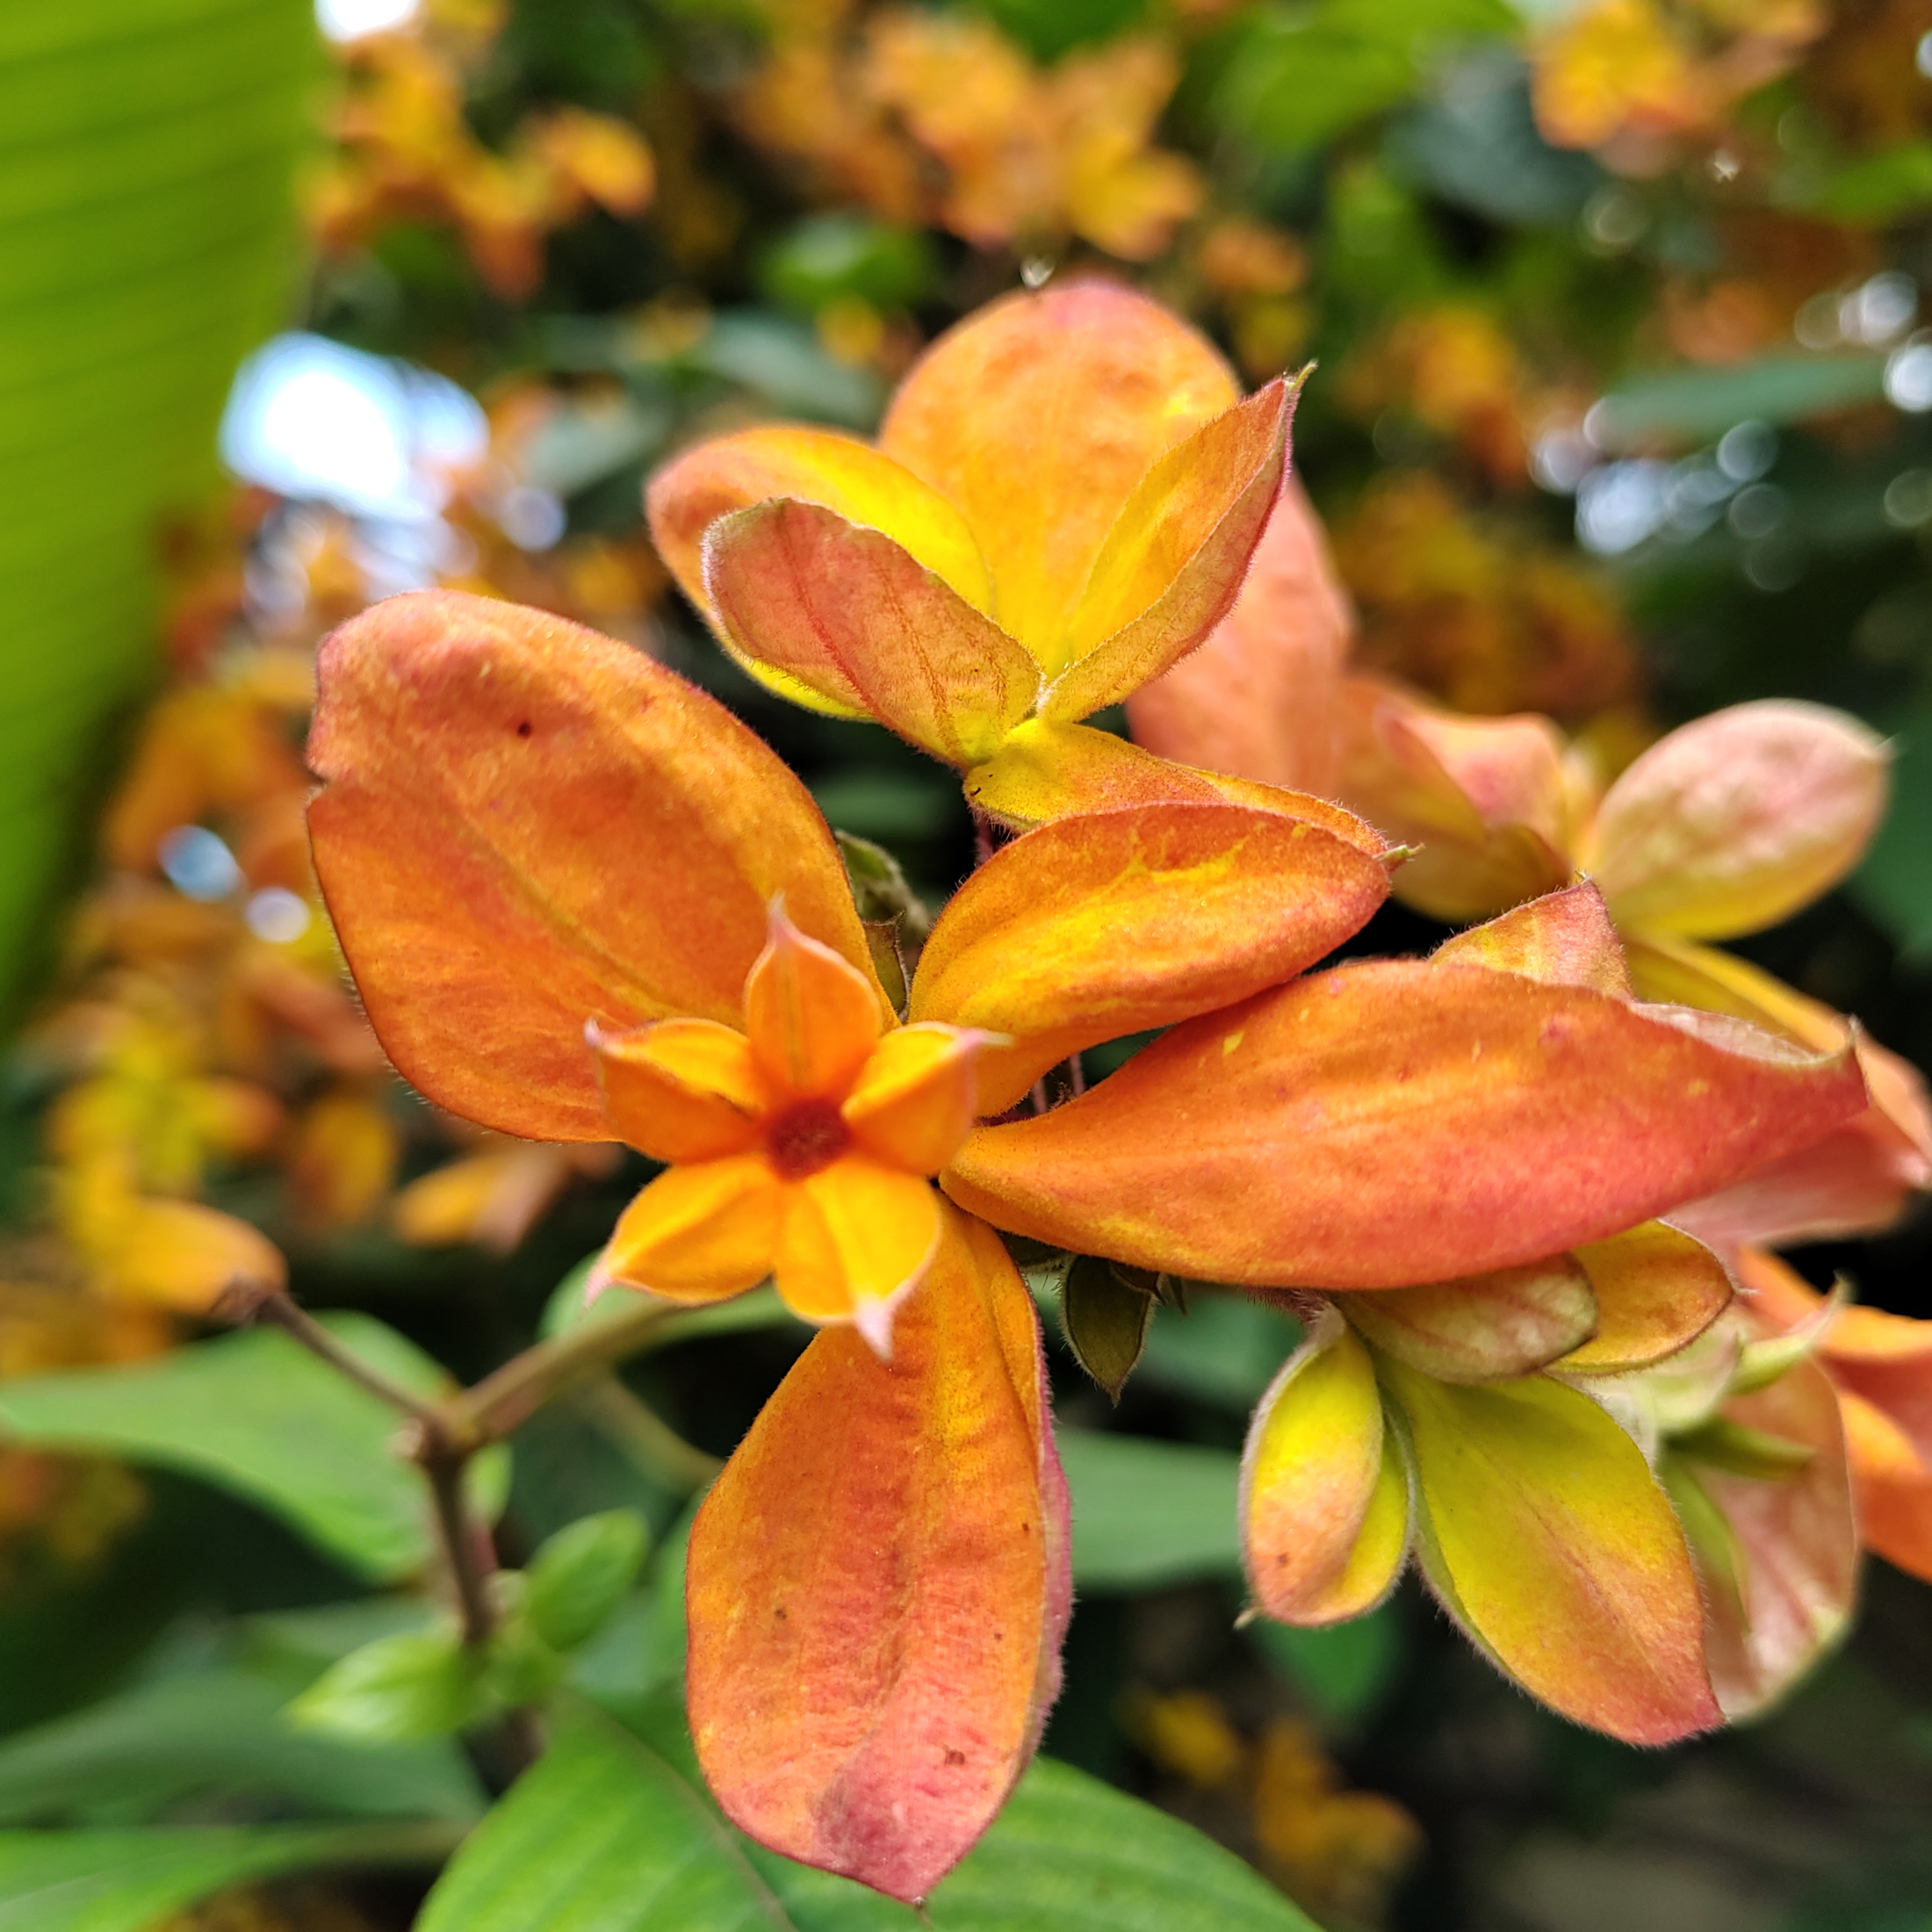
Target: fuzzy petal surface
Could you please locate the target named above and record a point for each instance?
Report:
(1310, 1475)
(1399, 1120)
(1657, 1289)
(856, 1239)
(681, 1090)
(1047, 772)
(860, 622)
(1892, 1484)
(1038, 416)
(1737, 819)
(1482, 1328)
(1257, 700)
(1172, 567)
(1794, 1546)
(1549, 1540)
(1860, 1177)
(878, 1586)
(699, 1233)
(846, 476)
(1486, 799)
(812, 1019)
(915, 1099)
(526, 826)
(1563, 939)
(1104, 925)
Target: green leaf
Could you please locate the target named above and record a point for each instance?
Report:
(1147, 1512)
(1226, 1350)
(122, 1881)
(1894, 884)
(147, 226)
(257, 1415)
(580, 1575)
(419, 1684)
(601, 1835)
(1106, 1320)
(611, 1832)
(1344, 1669)
(845, 255)
(220, 1729)
(1689, 406)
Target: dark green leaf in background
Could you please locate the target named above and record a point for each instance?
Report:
(1106, 1320)
(1146, 1513)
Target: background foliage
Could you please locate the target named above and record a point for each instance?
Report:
(1621, 413)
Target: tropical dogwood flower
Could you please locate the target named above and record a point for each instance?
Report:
(530, 835)
(1061, 503)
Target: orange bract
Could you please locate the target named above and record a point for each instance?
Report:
(1062, 503)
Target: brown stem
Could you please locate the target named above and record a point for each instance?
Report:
(277, 1306)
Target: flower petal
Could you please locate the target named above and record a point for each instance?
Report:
(1038, 416)
(1739, 818)
(862, 623)
(1547, 1538)
(812, 1019)
(526, 826)
(856, 1239)
(699, 1233)
(878, 1586)
(1486, 798)
(1861, 1177)
(1047, 772)
(1172, 565)
(1563, 939)
(1892, 1484)
(680, 1090)
(1257, 700)
(180, 1255)
(914, 1101)
(1106, 924)
(1395, 1121)
(1656, 1290)
(1482, 1328)
(1310, 1478)
(845, 476)
(1793, 1546)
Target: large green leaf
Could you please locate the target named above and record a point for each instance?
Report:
(611, 1833)
(146, 156)
(1149, 1512)
(219, 1730)
(123, 1881)
(258, 1415)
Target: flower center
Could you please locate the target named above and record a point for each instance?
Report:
(807, 1136)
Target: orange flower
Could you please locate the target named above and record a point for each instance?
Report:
(477, 758)
(1062, 500)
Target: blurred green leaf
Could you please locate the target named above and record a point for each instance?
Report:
(257, 1415)
(1146, 1513)
(1226, 1348)
(1343, 1670)
(123, 1881)
(219, 1730)
(576, 1581)
(147, 150)
(1873, 190)
(1049, 28)
(1699, 405)
(1894, 884)
(845, 255)
(1299, 76)
(416, 1684)
(782, 361)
